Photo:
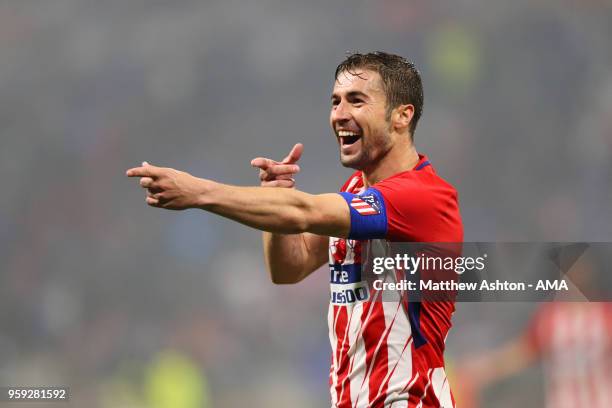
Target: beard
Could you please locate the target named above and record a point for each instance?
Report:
(372, 150)
(357, 162)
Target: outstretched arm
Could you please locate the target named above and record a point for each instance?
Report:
(283, 211)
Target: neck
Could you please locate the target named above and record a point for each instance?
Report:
(402, 157)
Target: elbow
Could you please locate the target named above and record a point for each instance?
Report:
(284, 279)
(282, 270)
(286, 273)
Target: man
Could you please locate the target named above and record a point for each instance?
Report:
(384, 353)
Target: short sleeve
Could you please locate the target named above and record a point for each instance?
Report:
(421, 209)
(412, 207)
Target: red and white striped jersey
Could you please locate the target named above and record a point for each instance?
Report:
(574, 340)
(390, 354)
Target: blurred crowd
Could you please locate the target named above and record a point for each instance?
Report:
(131, 306)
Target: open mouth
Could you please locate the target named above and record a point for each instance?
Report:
(348, 138)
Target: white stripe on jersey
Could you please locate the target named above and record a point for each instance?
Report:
(401, 369)
(332, 319)
(358, 361)
(350, 186)
(441, 388)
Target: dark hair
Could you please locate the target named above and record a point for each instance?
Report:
(401, 80)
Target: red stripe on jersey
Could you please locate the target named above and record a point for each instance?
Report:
(342, 381)
(423, 397)
(418, 391)
(409, 384)
(392, 371)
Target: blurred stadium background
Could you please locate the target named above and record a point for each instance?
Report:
(131, 306)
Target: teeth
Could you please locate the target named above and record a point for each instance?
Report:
(344, 133)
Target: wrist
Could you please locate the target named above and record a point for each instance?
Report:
(205, 197)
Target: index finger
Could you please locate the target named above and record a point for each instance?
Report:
(143, 171)
(262, 162)
(295, 154)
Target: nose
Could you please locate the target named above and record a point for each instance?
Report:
(340, 113)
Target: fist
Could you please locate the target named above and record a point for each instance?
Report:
(279, 174)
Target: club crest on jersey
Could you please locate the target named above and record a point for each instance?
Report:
(366, 204)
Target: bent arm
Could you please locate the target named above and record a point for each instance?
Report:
(291, 258)
(291, 221)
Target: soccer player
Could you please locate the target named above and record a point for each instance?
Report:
(571, 339)
(384, 353)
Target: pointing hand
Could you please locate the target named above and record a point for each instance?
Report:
(279, 174)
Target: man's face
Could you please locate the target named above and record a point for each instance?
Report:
(358, 118)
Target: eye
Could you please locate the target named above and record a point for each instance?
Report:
(335, 102)
(356, 100)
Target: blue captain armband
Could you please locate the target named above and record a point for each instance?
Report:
(368, 215)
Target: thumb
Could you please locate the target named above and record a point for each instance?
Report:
(145, 163)
(295, 154)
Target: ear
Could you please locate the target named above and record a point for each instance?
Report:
(401, 117)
